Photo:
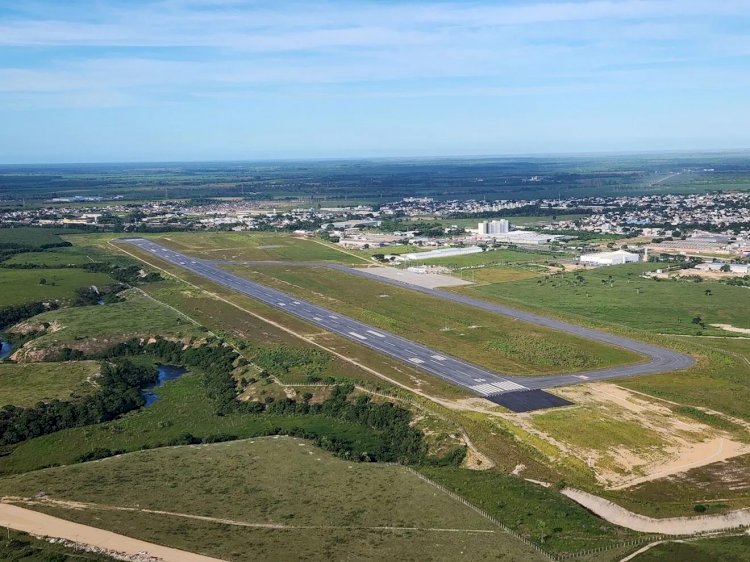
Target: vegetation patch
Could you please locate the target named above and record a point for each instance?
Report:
(540, 514)
(27, 384)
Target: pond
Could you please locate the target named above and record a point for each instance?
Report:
(5, 349)
(166, 373)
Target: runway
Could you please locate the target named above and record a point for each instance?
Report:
(477, 380)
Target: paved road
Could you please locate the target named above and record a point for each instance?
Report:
(451, 369)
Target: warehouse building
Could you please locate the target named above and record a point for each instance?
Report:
(608, 258)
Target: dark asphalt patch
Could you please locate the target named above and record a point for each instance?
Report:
(528, 400)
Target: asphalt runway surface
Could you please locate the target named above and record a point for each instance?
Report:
(476, 379)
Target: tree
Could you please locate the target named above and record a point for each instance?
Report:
(708, 292)
(725, 268)
(42, 281)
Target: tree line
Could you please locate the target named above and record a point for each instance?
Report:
(119, 392)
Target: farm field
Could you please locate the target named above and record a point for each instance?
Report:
(484, 338)
(94, 327)
(618, 296)
(22, 286)
(26, 384)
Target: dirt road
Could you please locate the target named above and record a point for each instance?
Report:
(43, 525)
(668, 526)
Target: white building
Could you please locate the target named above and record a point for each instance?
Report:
(608, 258)
(501, 226)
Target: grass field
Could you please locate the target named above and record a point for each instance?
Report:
(496, 274)
(495, 257)
(23, 285)
(246, 246)
(29, 237)
(541, 514)
(329, 504)
(27, 384)
(95, 326)
(487, 339)
(617, 295)
(59, 257)
(725, 549)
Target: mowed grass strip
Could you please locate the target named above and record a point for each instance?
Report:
(493, 341)
(29, 383)
(21, 286)
(618, 295)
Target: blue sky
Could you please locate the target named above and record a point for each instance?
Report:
(86, 81)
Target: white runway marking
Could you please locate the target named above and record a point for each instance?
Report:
(374, 333)
(359, 336)
(416, 360)
(438, 357)
(495, 387)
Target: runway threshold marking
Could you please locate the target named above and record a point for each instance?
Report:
(495, 387)
(416, 360)
(358, 336)
(374, 333)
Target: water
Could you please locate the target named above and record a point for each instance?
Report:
(166, 373)
(5, 349)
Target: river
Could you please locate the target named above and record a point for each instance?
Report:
(166, 373)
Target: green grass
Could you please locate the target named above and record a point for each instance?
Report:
(628, 300)
(28, 237)
(493, 257)
(28, 383)
(726, 549)
(245, 246)
(281, 481)
(585, 427)
(490, 340)
(59, 257)
(96, 326)
(20, 286)
(530, 509)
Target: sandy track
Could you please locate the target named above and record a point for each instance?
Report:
(667, 526)
(40, 524)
